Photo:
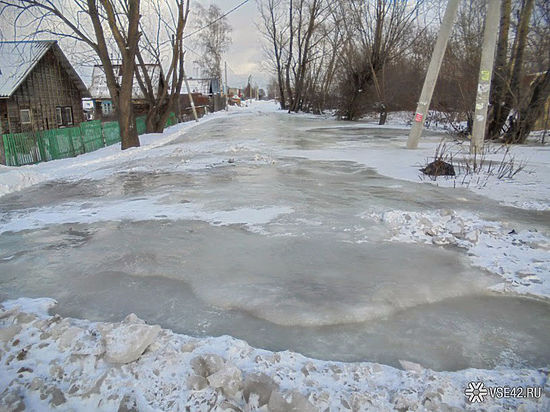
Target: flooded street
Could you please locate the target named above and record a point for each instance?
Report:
(235, 229)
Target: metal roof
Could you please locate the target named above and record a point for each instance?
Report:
(99, 89)
(19, 58)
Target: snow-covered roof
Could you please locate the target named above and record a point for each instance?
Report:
(19, 58)
(99, 89)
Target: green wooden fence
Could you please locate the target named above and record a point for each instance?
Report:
(34, 147)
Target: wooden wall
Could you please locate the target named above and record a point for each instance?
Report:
(3, 123)
(47, 87)
(3, 116)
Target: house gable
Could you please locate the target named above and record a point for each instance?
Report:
(19, 58)
(47, 95)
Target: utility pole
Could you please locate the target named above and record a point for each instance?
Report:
(226, 90)
(490, 34)
(432, 74)
(189, 90)
(190, 97)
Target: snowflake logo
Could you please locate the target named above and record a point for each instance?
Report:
(476, 392)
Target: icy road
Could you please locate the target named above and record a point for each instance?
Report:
(267, 228)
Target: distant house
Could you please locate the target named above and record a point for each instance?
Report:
(205, 86)
(234, 91)
(103, 105)
(39, 89)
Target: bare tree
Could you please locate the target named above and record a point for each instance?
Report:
(272, 14)
(506, 88)
(377, 33)
(213, 40)
(105, 18)
(162, 40)
(529, 110)
(298, 33)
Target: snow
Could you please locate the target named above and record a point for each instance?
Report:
(139, 209)
(521, 257)
(41, 370)
(529, 189)
(18, 59)
(77, 364)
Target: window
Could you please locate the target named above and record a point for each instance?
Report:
(68, 115)
(25, 116)
(106, 107)
(64, 116)
(59, 116)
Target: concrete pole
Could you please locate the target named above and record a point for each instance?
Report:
(190, 97)
(226, 90)
(490, 35)
(432, 74)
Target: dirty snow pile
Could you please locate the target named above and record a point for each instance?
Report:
(521, 257)
(70, 364)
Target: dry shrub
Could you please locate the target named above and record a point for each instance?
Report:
(476, 168)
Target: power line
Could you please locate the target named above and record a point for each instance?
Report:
(218, 19)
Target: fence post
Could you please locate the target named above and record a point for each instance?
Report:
(40, 145)
(103, 135)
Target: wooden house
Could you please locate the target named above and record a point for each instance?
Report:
(39, 89)
(102, 103)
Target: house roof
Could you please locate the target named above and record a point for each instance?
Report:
(99, 89)
(19, 58)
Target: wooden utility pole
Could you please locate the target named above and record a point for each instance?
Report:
(226, 90)
(432, 74)
(490, 34)
(190, 97)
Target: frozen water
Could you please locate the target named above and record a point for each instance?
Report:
(271, 248)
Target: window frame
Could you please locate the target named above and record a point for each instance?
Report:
(70, 119)
(59, 115)
(21, 111)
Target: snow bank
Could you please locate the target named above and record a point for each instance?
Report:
(521, 257)
(12, 179)
(65, 363)
(529, 189)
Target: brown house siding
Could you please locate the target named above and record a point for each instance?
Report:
(3, 124)
(48, 86)
(3, 117)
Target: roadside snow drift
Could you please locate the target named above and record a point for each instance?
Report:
(49, 362)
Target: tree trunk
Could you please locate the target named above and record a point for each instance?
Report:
(155, 121)
(512, 96)
(121, 94)
(530, 111)
(500, 76)
(127, 123)
(383, 114)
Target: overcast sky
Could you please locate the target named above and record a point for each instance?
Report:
(245, 54)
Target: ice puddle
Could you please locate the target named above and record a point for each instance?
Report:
(327, 299)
